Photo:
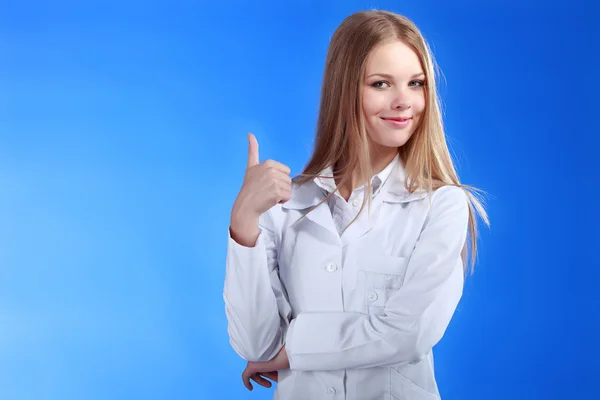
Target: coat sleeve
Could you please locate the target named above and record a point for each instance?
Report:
(256, 304)
(415, 317)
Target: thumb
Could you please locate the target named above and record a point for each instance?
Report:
(252, 151)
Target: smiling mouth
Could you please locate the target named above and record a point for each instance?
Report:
(398, 119)
(400, 123)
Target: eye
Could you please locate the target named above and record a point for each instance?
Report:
(379, 84)
(416, 83)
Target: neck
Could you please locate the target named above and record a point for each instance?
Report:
(380, 158)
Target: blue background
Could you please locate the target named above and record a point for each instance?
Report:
(123, 145)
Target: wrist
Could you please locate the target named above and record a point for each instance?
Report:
(244, 229)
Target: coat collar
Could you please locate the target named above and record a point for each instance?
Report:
(395, 190)
(310, 194)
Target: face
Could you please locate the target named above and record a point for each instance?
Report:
(393, 96)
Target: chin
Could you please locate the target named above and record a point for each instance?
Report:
(389, 145)
(400, 140)
(385, 138)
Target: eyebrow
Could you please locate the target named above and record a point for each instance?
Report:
(387, 76)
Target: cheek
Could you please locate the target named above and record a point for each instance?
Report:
(419, 104)
(368, 107)
(372, 104)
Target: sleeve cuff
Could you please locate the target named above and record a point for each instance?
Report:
(289, 343)
(240, 248)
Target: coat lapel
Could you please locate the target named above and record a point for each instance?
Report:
(304, 199)
(363, 224)
(392, 191)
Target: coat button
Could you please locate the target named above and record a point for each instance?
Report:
(331, 267)
(331, 390)
(371, 296)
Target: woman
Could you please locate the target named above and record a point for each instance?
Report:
(340, 281)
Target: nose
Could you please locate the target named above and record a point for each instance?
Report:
(401, 106)
(401, 101)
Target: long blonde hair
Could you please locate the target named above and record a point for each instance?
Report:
(341, 137)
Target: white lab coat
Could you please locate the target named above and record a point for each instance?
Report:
(359, 314)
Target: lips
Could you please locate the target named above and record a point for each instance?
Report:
(398, 119)
(397, 123)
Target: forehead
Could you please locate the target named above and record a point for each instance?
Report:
(393, 58)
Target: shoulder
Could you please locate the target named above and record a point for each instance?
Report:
(450, 200)
(450, 193)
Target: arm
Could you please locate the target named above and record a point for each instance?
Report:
(416, 316)
(256, 304)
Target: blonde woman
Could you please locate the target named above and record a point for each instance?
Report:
(339, 282)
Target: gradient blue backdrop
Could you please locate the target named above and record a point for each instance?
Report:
(123, 144)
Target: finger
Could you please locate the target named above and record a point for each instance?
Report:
(284, 198)
(272, 375)
(282, 177)
(278, 183)
(278, 166)
(246, 379)
(284, 192)
(261, 381)
(252, 151)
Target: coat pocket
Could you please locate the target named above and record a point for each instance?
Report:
(404, 389)
(383, 264)
(379, 276)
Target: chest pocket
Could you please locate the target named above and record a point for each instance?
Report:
(379, 276)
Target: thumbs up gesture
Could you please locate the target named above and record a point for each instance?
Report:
(265, 185)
